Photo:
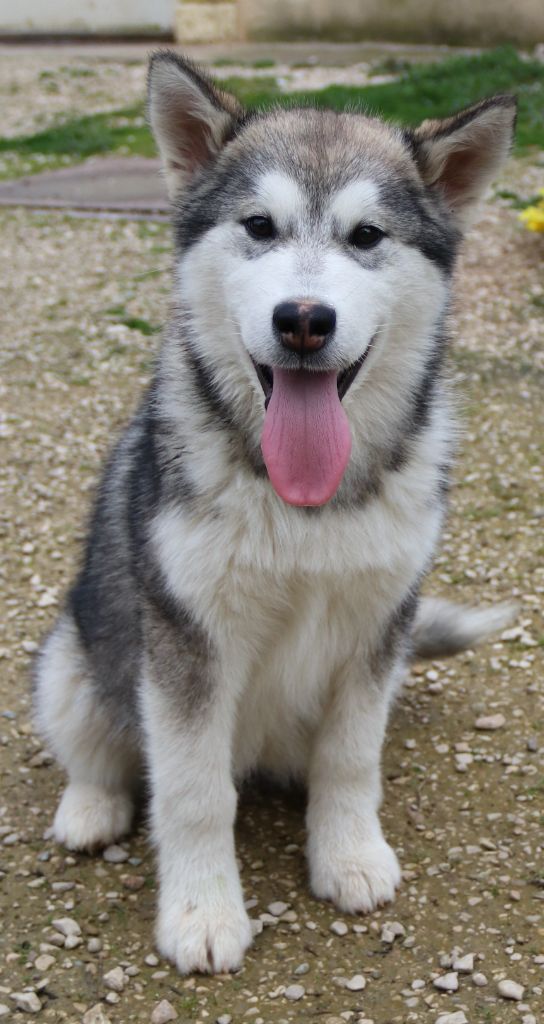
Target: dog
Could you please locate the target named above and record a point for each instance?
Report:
(249, 595)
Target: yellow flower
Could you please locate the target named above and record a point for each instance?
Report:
(533, 216)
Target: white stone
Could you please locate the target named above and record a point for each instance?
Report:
(488, 723)
(447, 983)
(94, 944)
(294, 992)
(115, 979)
(457, 1017)
(72, 941)
(115, 854)
(95, 1015)
(278, 908)
(339, 928)
(26, 1001)
(392, 930)
(66, 926)
(44, 962)
(479, 979)
(464, 964)
(4, 1010)
(225, 1018)
(302, 969)
(510, 989)
(357, 983)
(163, 1012)
(151, 960)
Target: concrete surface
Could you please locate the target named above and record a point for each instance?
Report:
(121, 184)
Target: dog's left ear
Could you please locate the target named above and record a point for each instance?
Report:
(191, 119)
(461, 155)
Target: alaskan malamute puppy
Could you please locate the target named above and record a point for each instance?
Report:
(249, 595)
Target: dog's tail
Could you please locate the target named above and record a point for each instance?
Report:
(442, 628)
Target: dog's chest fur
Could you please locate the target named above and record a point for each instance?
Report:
(290, 597)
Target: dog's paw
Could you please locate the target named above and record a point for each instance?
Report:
(357, 882)
(207, 937)
(89, 817)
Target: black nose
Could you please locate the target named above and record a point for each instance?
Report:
(304, 326)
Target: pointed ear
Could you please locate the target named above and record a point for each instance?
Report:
(190, 118)
(461, 155)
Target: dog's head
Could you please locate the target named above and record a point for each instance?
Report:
(314, 246)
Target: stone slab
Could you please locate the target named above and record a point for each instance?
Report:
(118, 184)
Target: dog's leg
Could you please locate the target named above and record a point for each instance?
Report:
(102, 764)
(189, 709)
(350, 861)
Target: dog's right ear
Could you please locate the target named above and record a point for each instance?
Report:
(191, 119)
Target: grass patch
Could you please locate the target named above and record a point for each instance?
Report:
(135, 323)
(436, 90)
(121, 131)
(421, 91)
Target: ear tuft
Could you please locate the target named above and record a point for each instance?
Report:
(461, 155)
(190, 118)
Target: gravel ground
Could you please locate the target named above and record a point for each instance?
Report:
(464, 793)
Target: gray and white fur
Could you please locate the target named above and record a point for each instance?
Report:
(215, 628)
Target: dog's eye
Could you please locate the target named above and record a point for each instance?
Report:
(259, 227)
(365, 236)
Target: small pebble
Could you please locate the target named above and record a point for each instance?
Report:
(44, 962)
(479, 979)
(151, 960)
(294, 992)
(66, 926)
(94, 945)
(278, 908)
(510, 989)
(464, 964)
(4, 1010)
(115, 854)
(301, 969)
(339, 928)
(26, 1001)
(356, 984)
(133, 882)
(488, 723)
(163, 1012)
(392, 930)
(457, 1017)
(95, 1015)
(115, 979)
(225, 1018)
(447, 983)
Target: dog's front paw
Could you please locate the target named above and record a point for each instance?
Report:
(89, 817)
(356, 881)
(210, 937)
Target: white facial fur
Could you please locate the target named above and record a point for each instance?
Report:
(381, 291)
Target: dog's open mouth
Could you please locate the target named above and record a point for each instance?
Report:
(344, 379)
(306, 440)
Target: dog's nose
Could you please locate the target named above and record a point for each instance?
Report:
(304, 327)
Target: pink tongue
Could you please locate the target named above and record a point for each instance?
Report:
(306, 440)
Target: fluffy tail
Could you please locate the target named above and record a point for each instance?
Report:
(442, 628)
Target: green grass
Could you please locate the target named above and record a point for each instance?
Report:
(120, 131)
(421, 91)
